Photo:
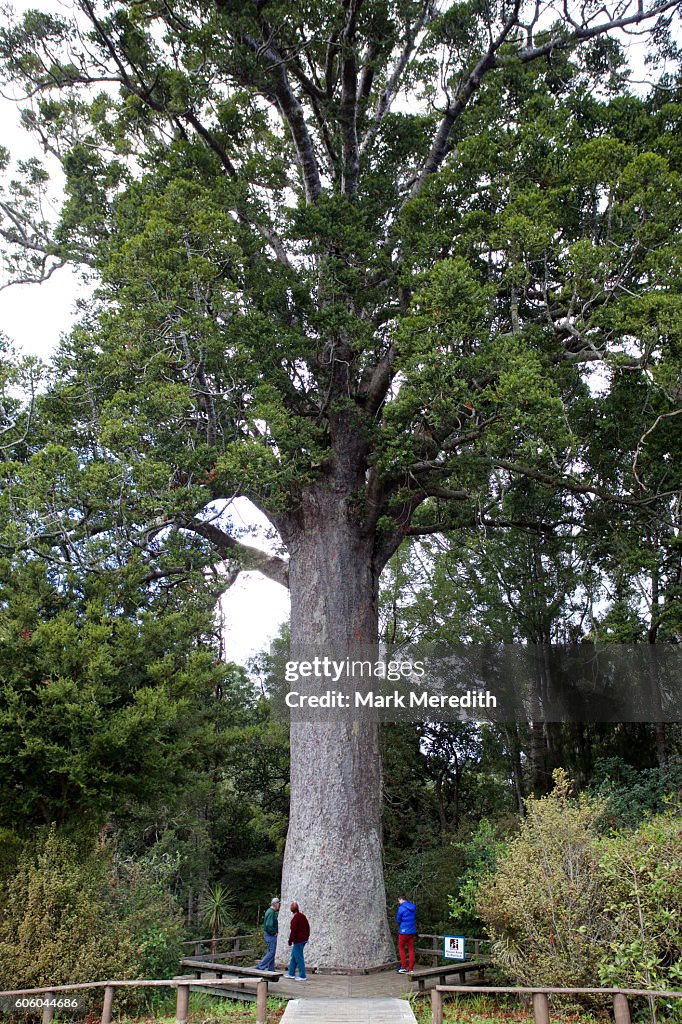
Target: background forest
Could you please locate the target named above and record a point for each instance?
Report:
(145, 785)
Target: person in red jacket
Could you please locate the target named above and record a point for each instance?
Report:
(298, 936)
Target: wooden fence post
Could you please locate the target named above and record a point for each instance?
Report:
(436, 1006)
(182, 1004)
(540, 1008)
(48, 1011)
(621, 1009)
(108, 1003)
(261, 1000)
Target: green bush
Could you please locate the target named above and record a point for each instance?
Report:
(568, 906)
(643, 871)
(58, 923)
(73, 912)
(544, 905)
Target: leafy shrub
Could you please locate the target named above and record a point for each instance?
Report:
(545, 904)
(73, 912)
(58, 924)
(568, 906)
(643, 871)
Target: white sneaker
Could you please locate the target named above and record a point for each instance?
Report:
(300, 979)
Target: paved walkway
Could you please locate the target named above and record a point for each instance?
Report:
(344, 986)
(337, 986)
(348, 1011)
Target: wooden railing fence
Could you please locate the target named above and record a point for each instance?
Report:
(206, 945)
(540, 997)
(183, 986)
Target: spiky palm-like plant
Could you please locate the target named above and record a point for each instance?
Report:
(216, 909)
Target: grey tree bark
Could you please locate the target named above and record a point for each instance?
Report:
(333, 859)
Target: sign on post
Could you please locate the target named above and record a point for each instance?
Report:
(454, 947)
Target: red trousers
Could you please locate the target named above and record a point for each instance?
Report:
(406, 948)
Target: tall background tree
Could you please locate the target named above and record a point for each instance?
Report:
(356, 263)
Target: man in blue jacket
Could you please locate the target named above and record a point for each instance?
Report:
(407, 929)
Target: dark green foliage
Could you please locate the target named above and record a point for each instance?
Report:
(478, 856)
(116, 708)
(73, 912)
(226, 820)
(94, 698)
(633, 794)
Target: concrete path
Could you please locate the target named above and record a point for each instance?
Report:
(348, 1011)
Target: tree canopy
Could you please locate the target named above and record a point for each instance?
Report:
(252, 189)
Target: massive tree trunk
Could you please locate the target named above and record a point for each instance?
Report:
(333, 859)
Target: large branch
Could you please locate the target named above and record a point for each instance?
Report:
(348, 109)
(402, 514)
(250, 558)
(389, 93)
(318, 99)
(293, 115)
(567, 482)
(531, 525)
(583, 33)
(181, 572)
(375, 390)
(442, 145)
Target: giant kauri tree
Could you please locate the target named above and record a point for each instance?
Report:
(355, 261)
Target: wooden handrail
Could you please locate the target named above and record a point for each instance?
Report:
(621, 1009)
(183, 986)
(658, 993)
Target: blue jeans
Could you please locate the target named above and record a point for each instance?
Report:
(297, 960)
(268, 961)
